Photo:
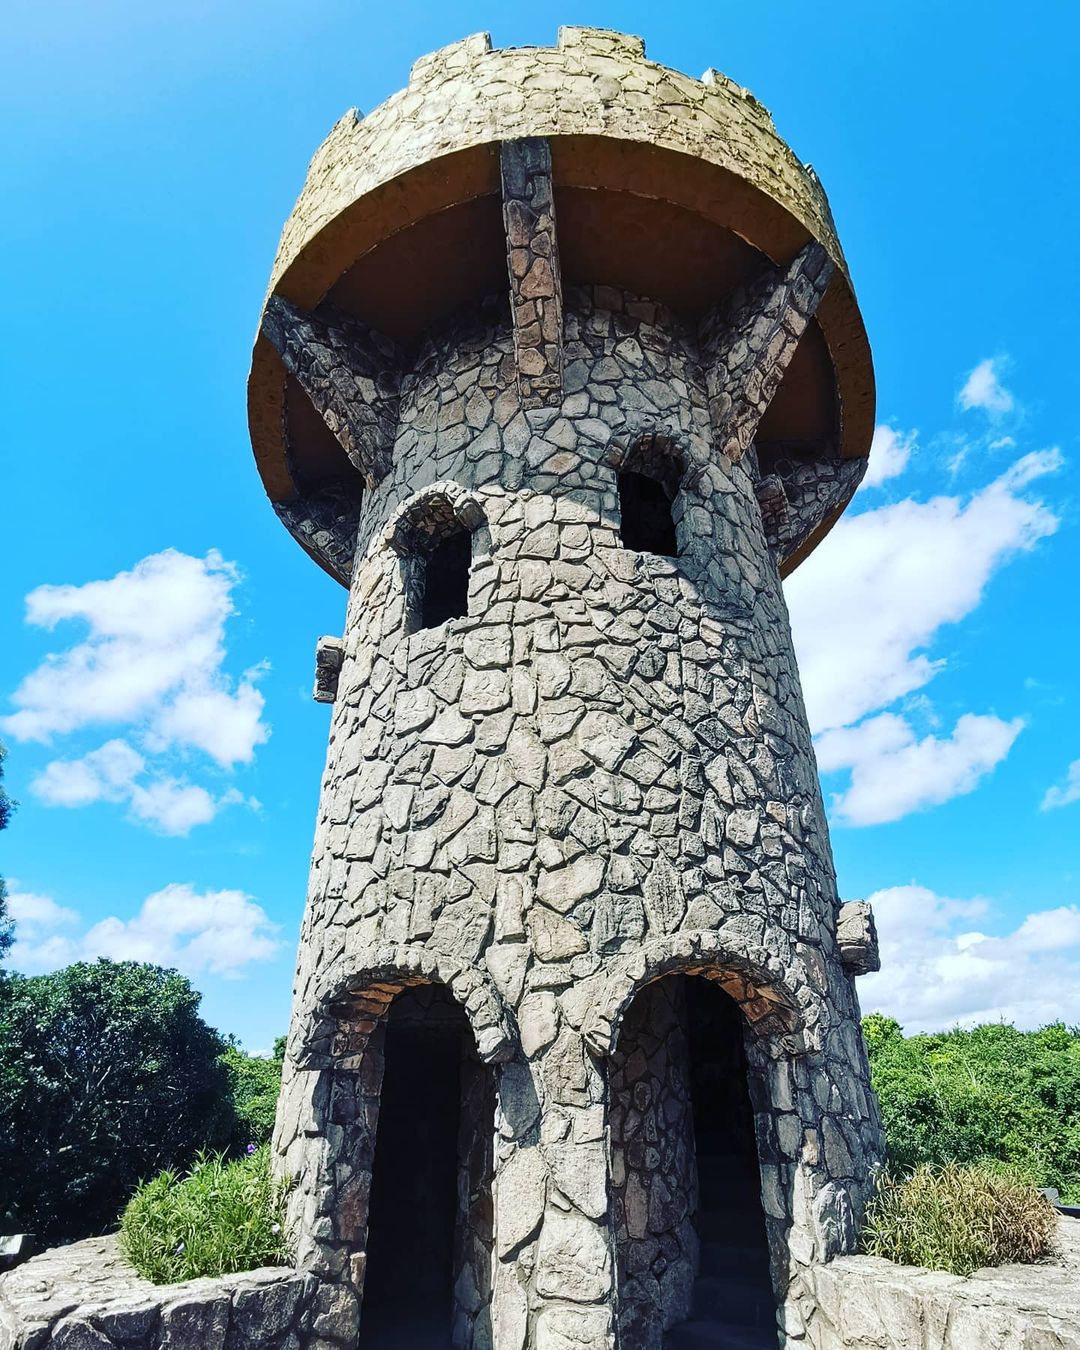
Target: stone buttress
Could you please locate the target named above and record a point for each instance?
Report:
(596, 773)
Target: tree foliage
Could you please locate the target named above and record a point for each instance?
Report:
(107, 1075)
(7, 806)
(992, 1096)
(254, 1085)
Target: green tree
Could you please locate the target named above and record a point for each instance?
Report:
(7, 806)
(254, 1085)
(107, 1075)
(990, 1095)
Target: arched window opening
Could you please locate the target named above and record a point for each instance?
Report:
(438, 535)
(645, 512)
(691, 1244)
(649, 476)
(446, 580)
(429, 1209)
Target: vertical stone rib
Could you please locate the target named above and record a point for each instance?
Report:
(349, 372)
(532, 259)
(748, 346)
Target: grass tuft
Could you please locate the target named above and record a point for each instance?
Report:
(958, 1219)
(218, 1219)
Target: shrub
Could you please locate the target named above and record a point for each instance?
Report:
(992, 1095)
(222, 1217)
(958, 1219)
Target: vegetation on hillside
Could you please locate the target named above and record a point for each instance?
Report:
(254, 1084)
(958, 1219)
(993, 1096)
(7, 806)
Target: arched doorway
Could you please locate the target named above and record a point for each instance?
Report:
(693, 1258)
(429, 1215)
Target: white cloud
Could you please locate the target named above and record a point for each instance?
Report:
(890, 451)
(868, 603)
(938, 971)
(983, 389)
(1066, 793)
(110, 774)
(226, 726)
(178, 926)
(173, 807)
(894, 774)
(105, 774)
(37, 914)
(151, 660)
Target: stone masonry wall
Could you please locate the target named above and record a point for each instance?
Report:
(653, 1166)
(86, 1297)
(600, 774)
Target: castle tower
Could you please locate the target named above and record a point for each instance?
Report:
(560, 371)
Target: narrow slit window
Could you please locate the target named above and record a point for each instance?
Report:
(446, 580)
(645, 510)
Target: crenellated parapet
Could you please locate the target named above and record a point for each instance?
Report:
(527, 170)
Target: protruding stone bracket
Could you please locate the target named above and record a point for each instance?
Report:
(817, 490)
(755, 979)
(856, 934)
(748, 346)
(349, 1006)
(325, 522)
(350, 373)
(775, 509)
(532, 257)
(329, 654)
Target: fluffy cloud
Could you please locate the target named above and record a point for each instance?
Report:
(106, 774)
(983, 389)
(216, 931)
(1066, 793)
(894, 774)
(890, 451)
(111, 774)
(151, 659)
(866, 606)
(938, 969)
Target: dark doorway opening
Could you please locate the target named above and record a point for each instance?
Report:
(446, 580)
(413, 1212)
(693, 1256)
(645, 511)
(733, 1289)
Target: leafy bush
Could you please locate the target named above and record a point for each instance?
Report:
(220, 1218)
(993, 1095)
(107, 1074)
(958, 1219)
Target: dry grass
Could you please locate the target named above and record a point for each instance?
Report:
(958, 1219)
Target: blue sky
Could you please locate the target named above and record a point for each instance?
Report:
(152, 154)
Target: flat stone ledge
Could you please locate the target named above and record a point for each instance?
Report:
(866, 1303)
(87, 1297)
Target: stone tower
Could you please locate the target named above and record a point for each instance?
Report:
(560, 371)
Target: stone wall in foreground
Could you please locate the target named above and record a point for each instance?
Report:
(864, 1303)
(86, 1297)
